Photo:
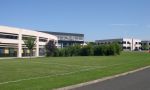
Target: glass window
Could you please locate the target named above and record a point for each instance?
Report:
(8, 36)
(124, 47)
(128, 43)
(1, 50)
(124, 42)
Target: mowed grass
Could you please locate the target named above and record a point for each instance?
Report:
(56, 72)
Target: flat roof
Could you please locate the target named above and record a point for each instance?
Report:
(63, 33)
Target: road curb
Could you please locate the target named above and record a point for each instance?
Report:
(100, 80)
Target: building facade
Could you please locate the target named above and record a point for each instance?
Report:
(12, 44)
(145, 45)
(67, 39)
(127, 44)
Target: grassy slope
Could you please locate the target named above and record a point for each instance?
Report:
(76, 69)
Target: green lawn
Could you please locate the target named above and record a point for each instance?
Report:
(55, 72)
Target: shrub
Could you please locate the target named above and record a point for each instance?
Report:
(111, 50)
(118, 48)
(89, 50)
(86, 51)
(97, 50)
(50, 48)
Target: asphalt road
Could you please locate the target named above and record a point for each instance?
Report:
(136, 81)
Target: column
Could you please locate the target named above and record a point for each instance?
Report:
(37, 46)
(62, 45)
(20, 45)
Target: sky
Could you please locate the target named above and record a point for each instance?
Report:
(97, 19)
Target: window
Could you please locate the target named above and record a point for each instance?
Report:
(128, 42)
(42, 39)
(124, 42)
(8, 36)
(80, 38)
(140, 43)
(124, 47)
(1, 50)
(136, 48)
(128, 47)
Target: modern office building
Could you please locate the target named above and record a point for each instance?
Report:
(67, 39)
(12, 44)
(127, 44)
(145, 45)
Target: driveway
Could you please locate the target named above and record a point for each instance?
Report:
(136, 81)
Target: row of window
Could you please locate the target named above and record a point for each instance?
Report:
(130, 48)
(8, 52)
(8, 36)
(124, 42)
(60, 37)
(16, 37)
(12, 52)
(11, 36)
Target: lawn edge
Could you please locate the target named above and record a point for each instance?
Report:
(102, 79)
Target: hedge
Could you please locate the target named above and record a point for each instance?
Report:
(88, 50)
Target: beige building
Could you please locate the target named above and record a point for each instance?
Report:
(12, 44)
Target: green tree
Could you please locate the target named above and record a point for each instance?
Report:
(145, 46)
(87, 51)
(97, 50)
(30, 43)
(92, 43)
(51, 49)
(118, 48)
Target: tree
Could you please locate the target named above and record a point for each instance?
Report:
(98, 50)
(91, 43)
(118, 48)
(145, 46)
(50, 48)
(87, 51)
(30, 43)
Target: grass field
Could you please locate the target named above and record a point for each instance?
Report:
(55, 72)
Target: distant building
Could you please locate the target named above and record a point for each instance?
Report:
(67, 39)
(127, 44)
(145, 45)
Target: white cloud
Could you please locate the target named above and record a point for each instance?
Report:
(123, 25)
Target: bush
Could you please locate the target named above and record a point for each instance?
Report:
(111, 50)
(89, 50)
(50, 48)
(107, 49)
(74, 50)
(98, 50)
(118, 48)
(56, 53)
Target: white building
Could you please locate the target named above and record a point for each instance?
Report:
(126, 43)
(12, 44)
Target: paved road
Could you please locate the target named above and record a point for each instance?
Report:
(135, 81)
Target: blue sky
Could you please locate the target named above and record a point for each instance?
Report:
(97, 19)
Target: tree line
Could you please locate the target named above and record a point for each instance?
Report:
(78, 50)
